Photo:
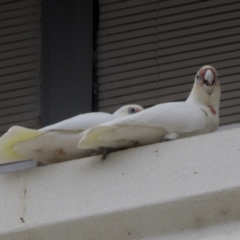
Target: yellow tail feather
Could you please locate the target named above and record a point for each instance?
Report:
(91, 135)
(14, 135)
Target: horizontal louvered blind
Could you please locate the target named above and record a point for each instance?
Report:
(149, 51)
(20, 39)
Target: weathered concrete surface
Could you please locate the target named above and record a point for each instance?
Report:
(184, 189)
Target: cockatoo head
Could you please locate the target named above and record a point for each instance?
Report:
(207, 78)
(127, 110)
(206, 89)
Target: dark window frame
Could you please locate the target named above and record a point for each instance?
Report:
(67, 59)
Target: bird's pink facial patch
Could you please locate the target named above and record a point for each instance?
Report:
(203, 70)
(212, 110)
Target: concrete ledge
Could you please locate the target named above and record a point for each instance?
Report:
(172, 190)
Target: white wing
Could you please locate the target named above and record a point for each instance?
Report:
(54, 143)
(80, 122)
(20, 144)
(57, 142)
(179, 119)
(85, 121)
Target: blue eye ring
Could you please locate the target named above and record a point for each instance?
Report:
(131, 110)
(198, 79)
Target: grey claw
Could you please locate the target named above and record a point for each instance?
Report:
(105, 153)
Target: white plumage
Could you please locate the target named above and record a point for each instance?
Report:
(199, 114)
(57, 142)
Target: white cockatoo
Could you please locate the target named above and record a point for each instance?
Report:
(199, 114)
(57, 142)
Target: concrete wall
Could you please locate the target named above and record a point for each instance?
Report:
(184, 189)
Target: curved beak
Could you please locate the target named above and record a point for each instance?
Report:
(209, 77)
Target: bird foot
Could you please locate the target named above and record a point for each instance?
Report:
(101, 151)
(105, 151)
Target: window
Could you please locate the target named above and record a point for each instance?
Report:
(149, 51)
(20, 40)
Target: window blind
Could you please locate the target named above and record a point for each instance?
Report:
(149, 51)
(20, 38)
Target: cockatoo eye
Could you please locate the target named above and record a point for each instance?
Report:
(198, 79)
(131, 110)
